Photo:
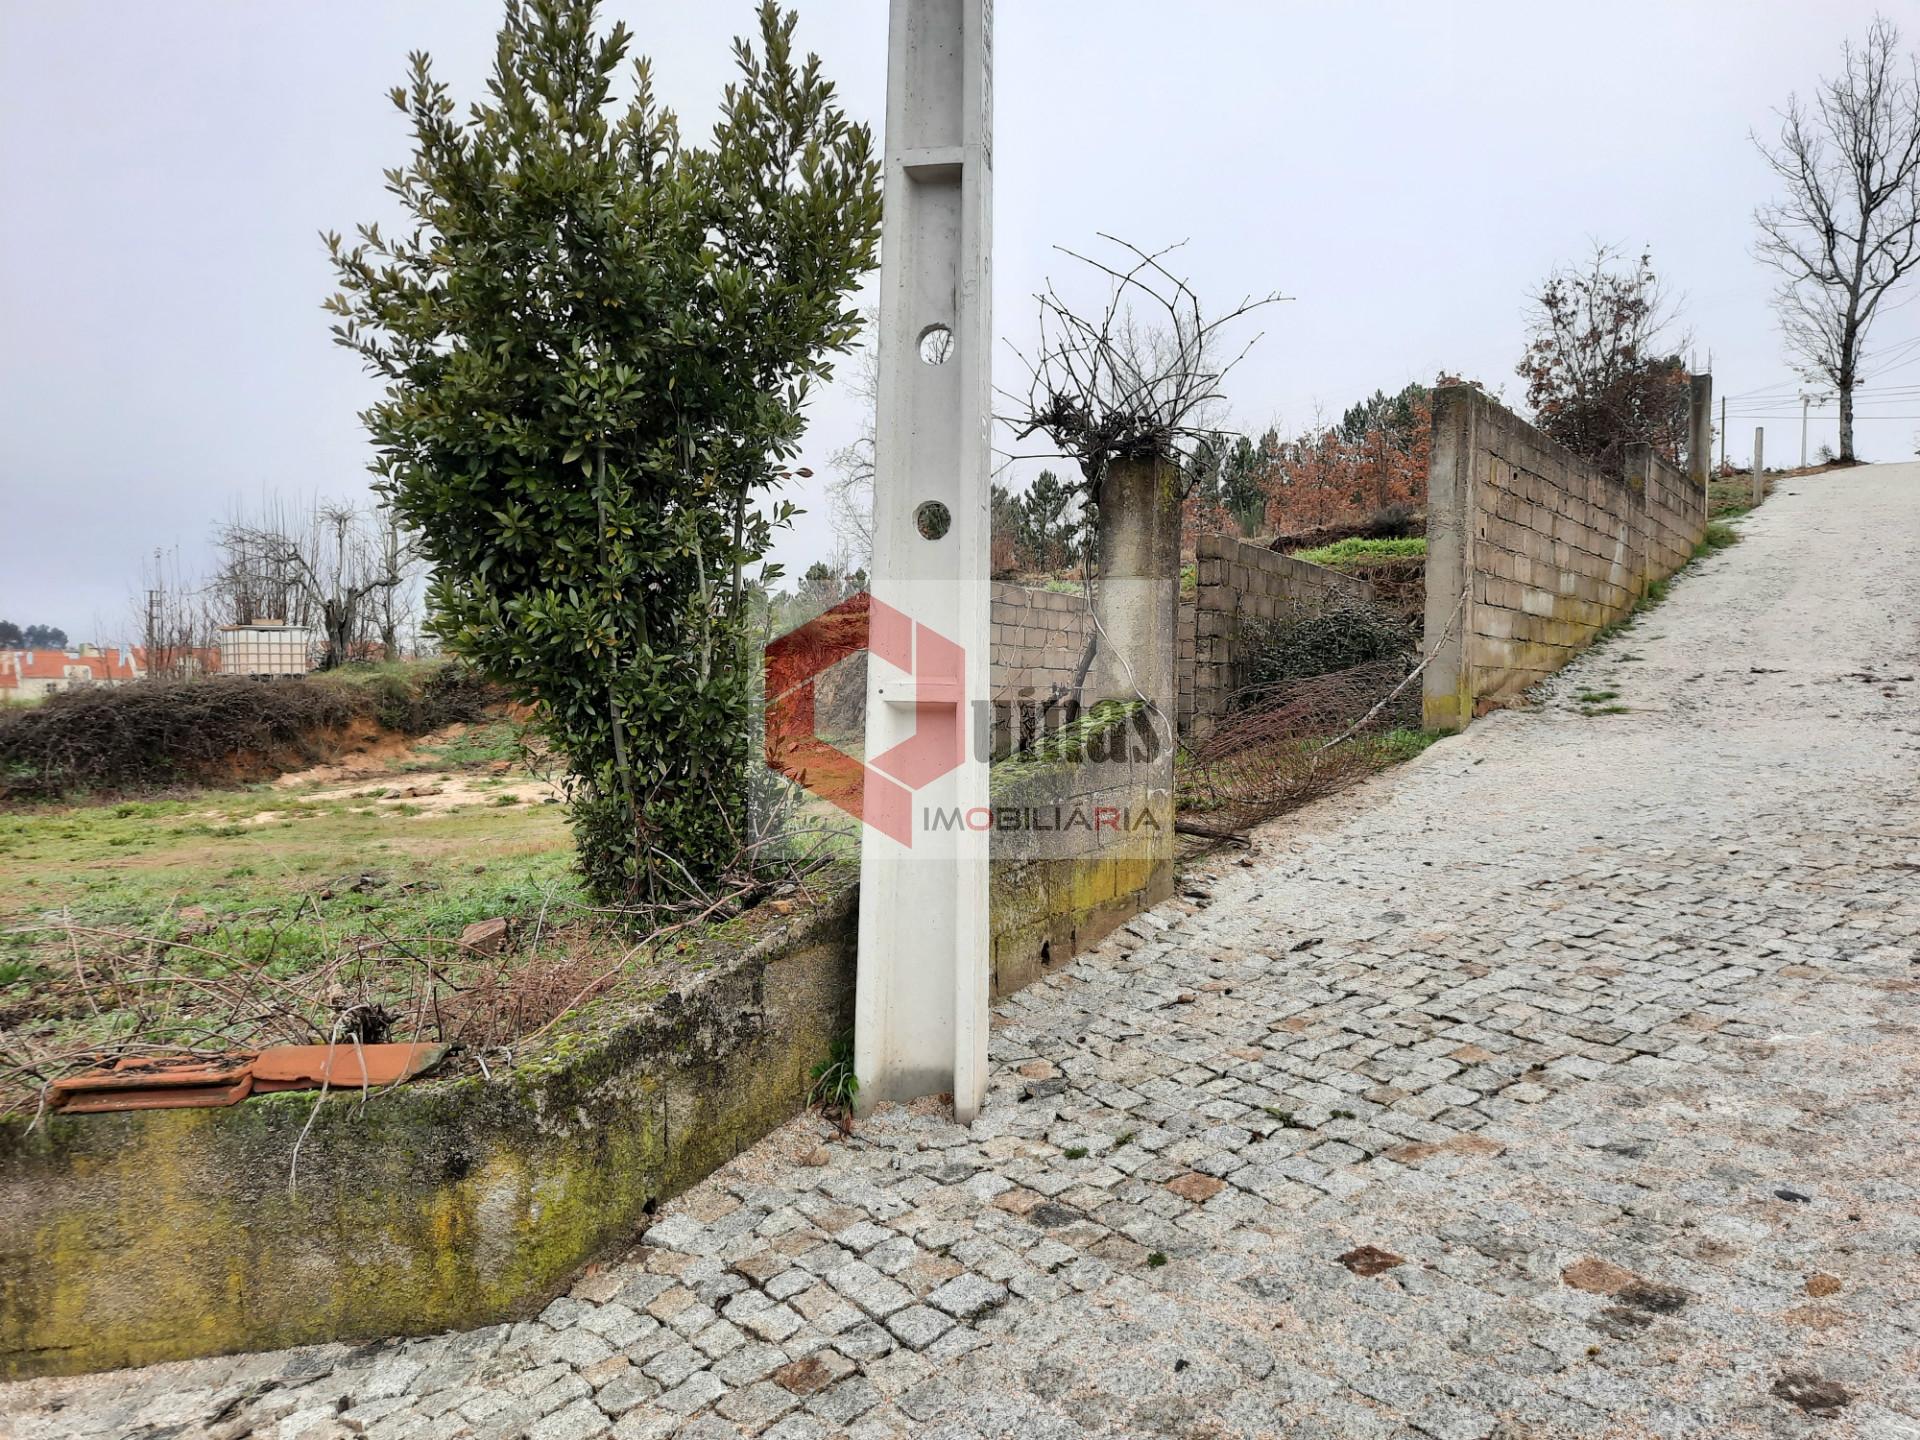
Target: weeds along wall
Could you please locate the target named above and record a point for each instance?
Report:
(143, 1236)
(1532, 551)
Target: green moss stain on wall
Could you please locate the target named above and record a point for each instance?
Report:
(134, 1238)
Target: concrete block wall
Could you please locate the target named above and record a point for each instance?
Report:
(1237, 581)
(1038, 636)
(1531, 551)
(1186, 654)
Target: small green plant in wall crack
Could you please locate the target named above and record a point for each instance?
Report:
(835, 1087)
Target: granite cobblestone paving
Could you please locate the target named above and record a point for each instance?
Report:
(1560, 1083)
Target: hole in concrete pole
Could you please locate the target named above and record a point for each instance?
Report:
(936, 344)
(932, 520)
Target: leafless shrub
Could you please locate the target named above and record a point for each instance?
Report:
(1139, 378)
(1293, 742)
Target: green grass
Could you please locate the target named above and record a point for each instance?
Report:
(411, 672)
(248, 889)
(1397, 746)
(1107, 727)
(1731, 496)
(473, 745)
(267, 859)
(833, 1085)
(1357, 551)
(1717, 536)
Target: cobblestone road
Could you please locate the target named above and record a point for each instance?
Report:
(1563, 1083)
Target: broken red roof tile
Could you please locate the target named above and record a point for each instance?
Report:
(342, 1066)
(177, 1082)
(148, 1083)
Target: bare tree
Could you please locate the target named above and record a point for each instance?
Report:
(395, 606)
(850, 491)
(173, 619)
(254, 581)
(1111, 389)
(332, 571)
(1848, 230)
(1110, 385)
(1602, 367)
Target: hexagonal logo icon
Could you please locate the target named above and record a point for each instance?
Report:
(879, 791)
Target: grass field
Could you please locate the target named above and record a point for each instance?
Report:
(265, 914)
(1360, 552)
(329, 905)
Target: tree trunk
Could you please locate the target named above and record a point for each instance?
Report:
(1846, 419)
(337, 620)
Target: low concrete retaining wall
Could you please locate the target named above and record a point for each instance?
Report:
(133, 1238)
(1531, 551)
(1083, 841)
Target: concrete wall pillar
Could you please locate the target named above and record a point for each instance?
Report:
(1636, 468)
(1136, 596)
(1700, 434)
(1447, 690)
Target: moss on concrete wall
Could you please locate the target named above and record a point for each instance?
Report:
(1056, 891)
(133, 1238)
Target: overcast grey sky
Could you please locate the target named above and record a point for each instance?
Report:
(1406, 170)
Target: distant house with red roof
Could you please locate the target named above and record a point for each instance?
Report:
(178, 662)
(36, 674)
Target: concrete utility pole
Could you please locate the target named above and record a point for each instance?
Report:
(1804, 400)
(1723, 434)
(1759, 466)
(920, 1011)
(1700, 433)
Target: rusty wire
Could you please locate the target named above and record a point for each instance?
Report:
(1276, 749)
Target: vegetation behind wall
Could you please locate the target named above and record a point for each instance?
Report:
(163, 733)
